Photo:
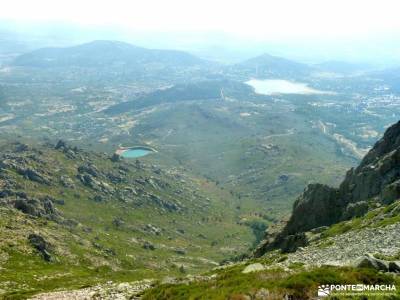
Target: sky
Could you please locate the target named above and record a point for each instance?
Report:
(224, 30)
(253, 19)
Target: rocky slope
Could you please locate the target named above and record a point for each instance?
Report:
(71, 218)
(110, 290)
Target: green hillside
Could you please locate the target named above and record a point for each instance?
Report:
(98, 220)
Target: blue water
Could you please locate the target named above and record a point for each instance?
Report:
(134, 153)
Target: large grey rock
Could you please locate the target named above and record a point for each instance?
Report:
(391, 192)
(262, 294)
(115, 157)
(180, 251)
(356, 209)
(253, 268)
(394, 266)
(33, 175)
(88, 181)
(148, 246)
(30, 207)
(150, 228)
(319, 229)
(41, 245)
(291, 243)
(43, 207)
(166, 204)
(89, 169)
(60, 145)
(21, 147)
(67, 182)
(317, 206)
(368, 261)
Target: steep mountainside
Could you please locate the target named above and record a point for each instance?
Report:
(375, 182)
(71, 218)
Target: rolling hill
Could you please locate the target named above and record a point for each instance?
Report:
(271, 66)
(204, 90)
(105, 54)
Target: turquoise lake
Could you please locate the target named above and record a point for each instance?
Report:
(135, 153)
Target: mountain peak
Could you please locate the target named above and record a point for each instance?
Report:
(268, 65)
(109, 43)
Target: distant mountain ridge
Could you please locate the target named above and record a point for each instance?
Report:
(102, 53)
(269, 65)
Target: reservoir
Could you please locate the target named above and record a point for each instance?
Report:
(135, 152)
(280, 86)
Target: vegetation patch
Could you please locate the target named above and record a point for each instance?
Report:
(232, 284)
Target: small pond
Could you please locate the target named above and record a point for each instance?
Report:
(136, 152)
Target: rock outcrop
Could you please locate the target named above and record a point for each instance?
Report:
(43, 207)
(376, 181)
(369, 261)
(322, 201)
(41, 245)
(378, 175)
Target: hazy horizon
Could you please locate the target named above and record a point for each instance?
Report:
(310, 31)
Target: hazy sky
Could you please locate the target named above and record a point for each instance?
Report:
(254, 19)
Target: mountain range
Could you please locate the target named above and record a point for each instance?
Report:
(267, 65)
(105, 54)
